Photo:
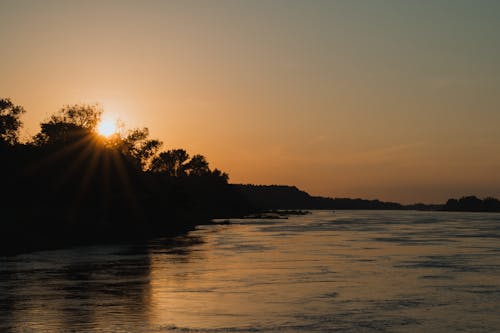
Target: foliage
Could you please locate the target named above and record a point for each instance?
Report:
(9, 121)
(138, 148)
(198, 166)
(81, 115)
(71, 123)
(177, 163)
(171, 162)
(70, 185)
(473, 204)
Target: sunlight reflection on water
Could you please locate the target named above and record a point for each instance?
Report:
(352, 271)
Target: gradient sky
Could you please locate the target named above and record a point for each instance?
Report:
(396, 100)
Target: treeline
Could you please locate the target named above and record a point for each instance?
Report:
(473, 204)
(69, 185)
(290, 197)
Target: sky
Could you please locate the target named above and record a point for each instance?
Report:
(395, 100)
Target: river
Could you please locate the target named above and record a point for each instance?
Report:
(343, 271)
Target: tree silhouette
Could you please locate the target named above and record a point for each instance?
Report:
(176, 163)
(224, 177)
(76, 124)
(137, 147)
(198, 166)
(71, 123)
(69, 185)
(9, 121)
(82, 115)
(171, 162)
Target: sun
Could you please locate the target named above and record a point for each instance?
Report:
(107, 127)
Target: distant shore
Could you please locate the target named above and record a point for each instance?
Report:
(290, 197)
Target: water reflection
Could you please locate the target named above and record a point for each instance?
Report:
(67, 290)
(348, 271)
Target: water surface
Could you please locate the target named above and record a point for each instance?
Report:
(348, 271)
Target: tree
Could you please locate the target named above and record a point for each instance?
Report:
(198, 166)
(138, 147)
(9, 121)
(82, 115)
(171, 162)
(77, 124)
(71, 123)
(224, 177)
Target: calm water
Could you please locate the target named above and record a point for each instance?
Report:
(326, 272)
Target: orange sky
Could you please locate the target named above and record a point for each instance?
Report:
(393, 100)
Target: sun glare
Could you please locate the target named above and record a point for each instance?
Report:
(107, 127)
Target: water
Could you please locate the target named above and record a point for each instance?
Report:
(348, 271)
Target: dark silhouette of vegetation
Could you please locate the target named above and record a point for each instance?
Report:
(473, 204)
(69, 185)
(10, 122)
(268, 197)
